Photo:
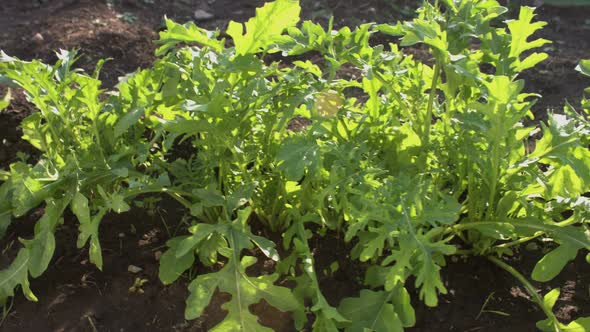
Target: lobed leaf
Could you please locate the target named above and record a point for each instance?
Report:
(296, 155)
(378, 311)
(188, 33)
(245, 291)
(268, 24)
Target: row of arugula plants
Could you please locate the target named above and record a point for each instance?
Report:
(411, 163)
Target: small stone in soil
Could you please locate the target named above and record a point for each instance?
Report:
(134, 269)
(202, 15)
(38, 38)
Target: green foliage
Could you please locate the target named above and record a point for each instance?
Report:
(578, 325)
(5, 101)
(409, 164)
(269, 23)
(379, 311)
(584, 67)
(245, 291)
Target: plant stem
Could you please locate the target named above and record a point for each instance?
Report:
(431, 102)
(176, 194)
(519, 241)
(99, 143)
(529, 288)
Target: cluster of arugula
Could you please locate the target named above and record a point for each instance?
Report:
(410, 163)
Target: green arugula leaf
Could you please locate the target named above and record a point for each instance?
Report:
(35, 257)
(378, 311)
(553, 262)
(115, 202)
(200, 232)
(584, 67)
(16, 274)
(561, 148)
(31, 186)
(245, 291)
(268, 24)
(188, 33)
(32, 132)
(175, 261)
(550, 325)
(521, 30)
(428, 274)
(527, 227)
(128, 120)
(88, 228)
(5, 101)
(5, 207)
(42, 246)
(423, 160)
(296, 155)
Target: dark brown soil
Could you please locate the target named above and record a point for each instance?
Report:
(75, 296)
(555, 78)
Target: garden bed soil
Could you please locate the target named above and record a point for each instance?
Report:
(75, 296)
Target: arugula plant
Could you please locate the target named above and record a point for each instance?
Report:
(410, 162)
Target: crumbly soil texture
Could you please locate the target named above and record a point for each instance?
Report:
(75, 296)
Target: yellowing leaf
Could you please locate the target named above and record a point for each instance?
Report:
(328, 103)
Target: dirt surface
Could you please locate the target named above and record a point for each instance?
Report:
(555, 78)
(75, 296)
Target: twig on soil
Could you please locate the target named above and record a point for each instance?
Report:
(6, 311)
(485, 303)
(91, 324)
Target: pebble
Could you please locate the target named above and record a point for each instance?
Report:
(202, 15)
(38, 38)
(134, 269)
(532, 246)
